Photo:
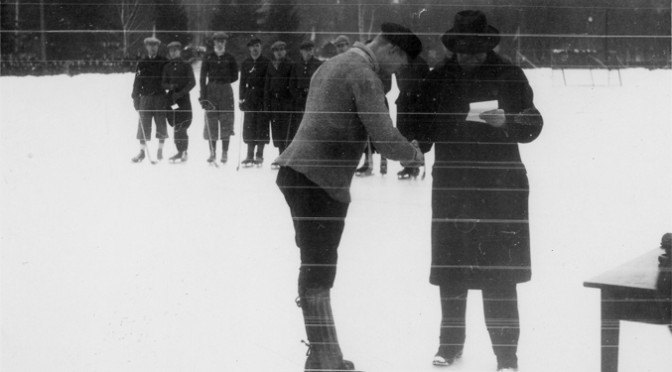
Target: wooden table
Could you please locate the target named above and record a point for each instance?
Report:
(628, 293)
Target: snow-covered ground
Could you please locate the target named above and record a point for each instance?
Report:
(112, 266)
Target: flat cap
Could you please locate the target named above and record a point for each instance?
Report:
(175, 44)
(307, 45)
(341, 39)
(152, 40)
(253, 40)
(220, 35)
(278, 45)
(402, 37)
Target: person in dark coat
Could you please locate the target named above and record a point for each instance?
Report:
(218, 70)
(251, 93)
(149, 98)
(480, 229)
(178, 80)
(299, 83)
(409, 79)
(277, 95)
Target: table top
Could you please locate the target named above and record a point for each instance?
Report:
(639, 273)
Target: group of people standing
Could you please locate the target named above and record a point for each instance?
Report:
(272, 95)
(480, 232)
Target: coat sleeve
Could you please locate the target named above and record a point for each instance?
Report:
(369, 99)
(136, 83)
(203, 78)
(233, 68)
(243, 81)
(191, 82)
(428, 108)
(523, 121)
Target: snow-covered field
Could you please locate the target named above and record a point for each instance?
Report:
(112, 266)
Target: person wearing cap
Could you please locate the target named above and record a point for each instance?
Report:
(178, 80)
(408, 108)
(299, 83)
(480, 229)
(251, 93)
(342, 43)
(218, 70)
(345, 105)
(149, 98)
(277, 95)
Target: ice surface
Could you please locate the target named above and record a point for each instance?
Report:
(114, 266)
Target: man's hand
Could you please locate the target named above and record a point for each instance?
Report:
(496, 118)
(418, 159)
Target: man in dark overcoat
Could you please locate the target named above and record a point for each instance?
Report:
(149, 98)
(299, 83)
(278, 96)
(178, 80)
(251, 93)
(218, 70)
(408, 108)
(480, 229)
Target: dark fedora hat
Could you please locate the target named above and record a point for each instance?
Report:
(471, 33)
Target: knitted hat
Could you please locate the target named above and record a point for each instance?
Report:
(278, 45)
(174, 44)
(152, 40)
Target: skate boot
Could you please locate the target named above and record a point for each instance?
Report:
(364, 171)
(212, 159)
(445, 357)
(224, 159)
(177, 158)
(159, 154)
(275, 165)
(383, 166)
(140, 157)
(248, 162)
(324, 353)
(258, 161)
(407, 173)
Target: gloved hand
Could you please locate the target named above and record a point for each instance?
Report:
(418, 159)
(496, 118)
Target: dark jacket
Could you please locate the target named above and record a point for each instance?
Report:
(178, 80)
(299, 81)
(148, 76)
(480, 229)
(252, 80)
(217, 69)
(276, 87)
(409, 80)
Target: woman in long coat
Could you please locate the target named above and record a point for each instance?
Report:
(480, 230)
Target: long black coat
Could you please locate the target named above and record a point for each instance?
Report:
(480, 229)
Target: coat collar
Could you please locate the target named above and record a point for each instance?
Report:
(367, 53)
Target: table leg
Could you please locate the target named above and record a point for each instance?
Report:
(610, 332)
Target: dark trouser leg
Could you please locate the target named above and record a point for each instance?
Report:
(453, 313)
(318, 223)
(500, 305)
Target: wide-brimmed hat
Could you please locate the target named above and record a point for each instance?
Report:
(341, 39)
(220, 35)
(471, 33)
(402, 37)
(152, 40)
(278, 45)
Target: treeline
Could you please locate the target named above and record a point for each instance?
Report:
(571, 33)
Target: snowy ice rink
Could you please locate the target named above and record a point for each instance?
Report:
(112, 266)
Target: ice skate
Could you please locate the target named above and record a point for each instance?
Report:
(275, 166)
(258, 161)
(364, 171)
(407, 173)
(140, 157)
(224, 158)
(180, 157)
(508, 369)
(247, 162)
(444, 358)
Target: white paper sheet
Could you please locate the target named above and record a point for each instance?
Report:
(476, 108)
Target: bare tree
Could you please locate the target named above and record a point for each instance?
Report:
(131, 17)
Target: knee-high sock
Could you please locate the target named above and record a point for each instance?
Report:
(325, 351)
